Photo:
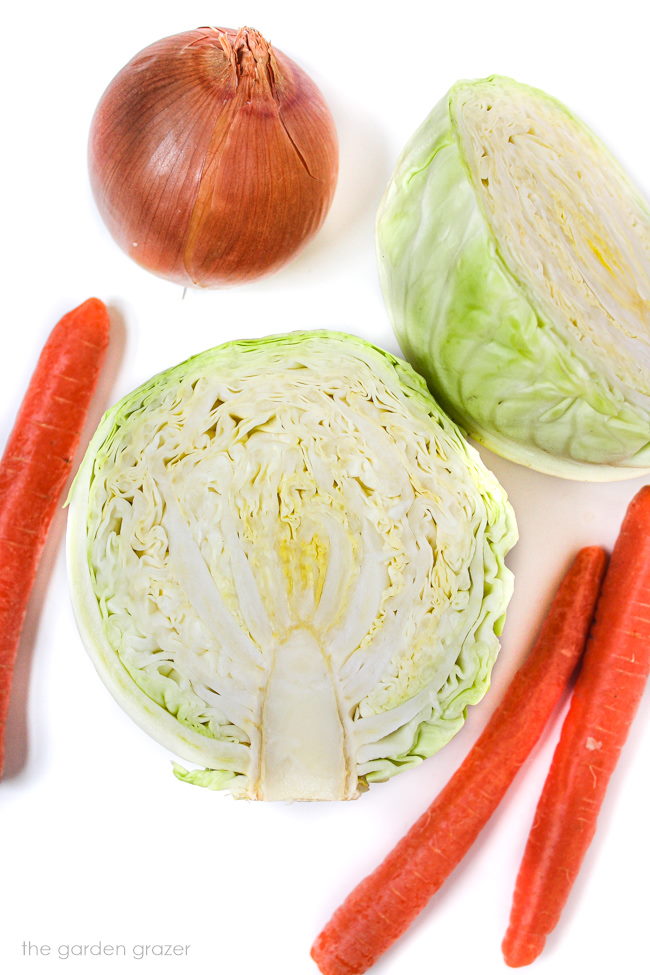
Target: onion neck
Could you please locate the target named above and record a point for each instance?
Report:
(252, 60)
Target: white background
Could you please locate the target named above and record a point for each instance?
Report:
(97, 839)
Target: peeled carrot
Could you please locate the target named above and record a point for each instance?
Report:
(607, 693)
(36, 464)
(380, 909)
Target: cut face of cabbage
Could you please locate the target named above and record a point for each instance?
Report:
(515, 261)
(288, 566)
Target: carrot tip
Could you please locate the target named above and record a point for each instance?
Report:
(518, 953)
(319, 955)
(329, 961)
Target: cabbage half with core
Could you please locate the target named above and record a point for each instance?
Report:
(515, 261)
(288, 566)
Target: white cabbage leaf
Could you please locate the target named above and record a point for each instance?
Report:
(515, 262)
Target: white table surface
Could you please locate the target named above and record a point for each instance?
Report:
(98, 841)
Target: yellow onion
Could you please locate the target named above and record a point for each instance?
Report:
(213, 157)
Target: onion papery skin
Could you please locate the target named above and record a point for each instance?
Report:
(213, 157)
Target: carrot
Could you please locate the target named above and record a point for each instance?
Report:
(380, 909)
(604, 701)
(36, 464)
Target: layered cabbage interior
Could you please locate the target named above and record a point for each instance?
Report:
(570, 226)
(293, 556)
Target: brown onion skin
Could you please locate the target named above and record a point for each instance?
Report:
(213, 157)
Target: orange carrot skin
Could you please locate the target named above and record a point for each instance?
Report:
(606, 696)
(383, 905)
(36, 464)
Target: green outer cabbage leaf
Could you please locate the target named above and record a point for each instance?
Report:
(287, 565)
(490, 351)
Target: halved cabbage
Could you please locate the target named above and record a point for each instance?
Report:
(515, 263)
(287, 565)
